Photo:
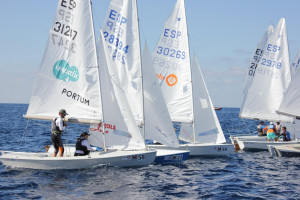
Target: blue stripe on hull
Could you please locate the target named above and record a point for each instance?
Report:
(173, 158)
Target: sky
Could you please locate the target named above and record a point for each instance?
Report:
(222, 33)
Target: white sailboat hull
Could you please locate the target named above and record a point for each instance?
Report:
(248, 145)
(202, 149)
(291, 150)
(233, 138)
(45, 161)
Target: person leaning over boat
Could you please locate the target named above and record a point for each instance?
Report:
(286, 136)
(58, 127)
(271, 132)
(260, 128)
(82, 145)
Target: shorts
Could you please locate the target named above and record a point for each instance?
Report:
(271, 136)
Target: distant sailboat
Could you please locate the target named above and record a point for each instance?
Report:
(69, 78)
(185, 91)
(217, 108)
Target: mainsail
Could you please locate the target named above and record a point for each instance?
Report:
(66, 78)
(121, 32)
(119, 125)
(158, 124)
(272, 77)
(171, 60)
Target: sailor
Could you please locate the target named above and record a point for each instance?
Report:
(260, 128)
(286, 136)
(82, 145)
(271, 132)
(58, 126)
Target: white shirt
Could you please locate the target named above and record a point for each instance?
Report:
(60, 124)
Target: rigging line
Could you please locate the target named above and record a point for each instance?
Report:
(24, 134)
(246, 126)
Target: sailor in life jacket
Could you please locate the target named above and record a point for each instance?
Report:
(271, 132)
(260, 128)
(82, 145)
(57, 128)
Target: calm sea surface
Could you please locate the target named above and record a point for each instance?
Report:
(251, 175)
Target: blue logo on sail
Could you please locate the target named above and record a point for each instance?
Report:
(63, 71)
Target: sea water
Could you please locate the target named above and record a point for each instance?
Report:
(244, 175)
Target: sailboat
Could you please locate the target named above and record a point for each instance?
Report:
(264, 92)
(70, 77)
(136, 77)
(290, 106)
(185, 91)
(256, 58)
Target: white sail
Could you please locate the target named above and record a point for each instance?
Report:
(258, 53)
(158, 124)
(120, 127)
(171, 60)
(206, 124)
(272, 77)
(295, 64)
(121, 32)
(291, 101)
(66, 78)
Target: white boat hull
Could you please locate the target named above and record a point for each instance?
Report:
(248, 145)
(247, 137)
(291, 150)
(202, 149)
(169, 156)
(45, 161)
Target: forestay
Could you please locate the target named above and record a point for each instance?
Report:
(272, 77)
(207, 128)
(68, 74)
(158, 124)
(119, 124)
(171, 60)
(121, 32)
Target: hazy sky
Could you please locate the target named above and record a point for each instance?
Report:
(223, 36)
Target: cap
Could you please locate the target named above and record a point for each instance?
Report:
(271, 123)
(84, 134)
(63, 111)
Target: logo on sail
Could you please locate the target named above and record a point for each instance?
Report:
(63, 71)
(171, 80)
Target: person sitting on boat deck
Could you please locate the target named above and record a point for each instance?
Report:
(271, 132)
(58, 127)
(278, 128)
(286, 136)
(82, 145)
(260, 128)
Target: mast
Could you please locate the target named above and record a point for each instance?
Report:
(103, 124)
(194, 134)
(143, 99)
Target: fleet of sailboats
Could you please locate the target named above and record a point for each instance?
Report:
(128, 97)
